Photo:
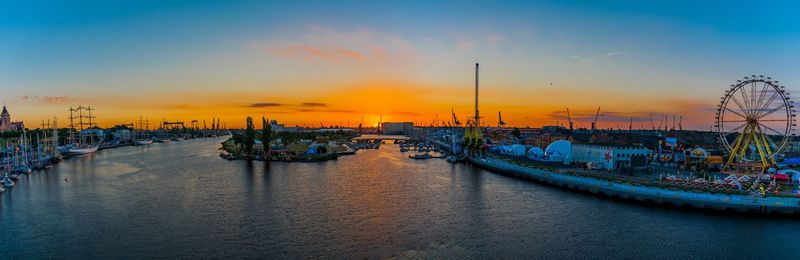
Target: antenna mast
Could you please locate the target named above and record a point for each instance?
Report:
(477, 115)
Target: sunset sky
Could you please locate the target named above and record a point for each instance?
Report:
(331, 62)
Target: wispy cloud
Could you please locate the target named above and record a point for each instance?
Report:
(475, 41)
(593, 57)
(322, 44)
(313, 104)
(48, 99)
(494, 38)
(465, 45)
(307, 110)
(310, 53)
(404, 113)
(613, 53)
(265, 105)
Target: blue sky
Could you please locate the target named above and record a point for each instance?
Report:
(207, 58)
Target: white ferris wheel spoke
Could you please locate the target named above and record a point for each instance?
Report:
(739, 104)
(737, 113)
(769, 102)
(769, 112)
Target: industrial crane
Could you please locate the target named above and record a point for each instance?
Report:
(630, 125)
(500, 122)
(455, 119)
(569, 119)
(594, 123)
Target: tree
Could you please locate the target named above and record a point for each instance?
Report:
(516, 133)
(249, 137)
(266, 136)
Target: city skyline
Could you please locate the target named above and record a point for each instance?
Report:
(325, 63)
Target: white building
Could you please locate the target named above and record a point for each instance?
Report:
(6, 123)
(280, 127)
(122, 135)
(612, 157)
(396, 128)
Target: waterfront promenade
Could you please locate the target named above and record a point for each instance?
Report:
(645, 193)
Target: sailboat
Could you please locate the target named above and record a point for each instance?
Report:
(84, 143)
(140, 138)
(7, 182)
(21, 165)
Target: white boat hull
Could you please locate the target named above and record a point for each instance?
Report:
(142, 142)
(87, 150)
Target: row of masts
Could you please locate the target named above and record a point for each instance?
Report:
(83, 116)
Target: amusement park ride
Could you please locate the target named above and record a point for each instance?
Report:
(755, 120)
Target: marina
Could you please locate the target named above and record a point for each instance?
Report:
(544, 129)
(24, 151)
(426, 207)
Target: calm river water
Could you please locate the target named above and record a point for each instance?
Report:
(180, 200)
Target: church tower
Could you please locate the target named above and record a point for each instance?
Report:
(5, 119)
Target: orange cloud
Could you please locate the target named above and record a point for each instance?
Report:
(321, 44)
(313, 53)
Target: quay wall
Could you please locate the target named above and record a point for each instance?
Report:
(646, 194)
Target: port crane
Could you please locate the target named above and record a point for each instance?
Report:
(630, 125)
(594, 123)
(569, 119)
(500, 122)
(455, 119)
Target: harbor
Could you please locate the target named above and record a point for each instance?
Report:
(179, 191)
(544, 129)
(32, 151)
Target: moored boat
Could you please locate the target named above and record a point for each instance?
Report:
(420, 156)
(84, 149)
(142, 142)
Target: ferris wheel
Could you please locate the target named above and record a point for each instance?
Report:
(755, 120)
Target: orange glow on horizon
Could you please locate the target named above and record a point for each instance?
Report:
(396, 100)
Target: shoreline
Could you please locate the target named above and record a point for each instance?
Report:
(652, 195)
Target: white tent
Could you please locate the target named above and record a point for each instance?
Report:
(559, 151)
(516, 150)
(535, 153)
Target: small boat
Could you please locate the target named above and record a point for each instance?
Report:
(2, 189)
(142, 142)
(452, 159)
(347, 150)
(84, 149)
(420, 156)
(22, 169)
(7, 182)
